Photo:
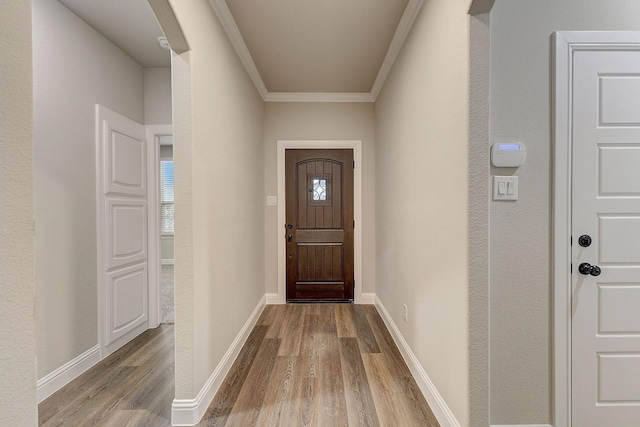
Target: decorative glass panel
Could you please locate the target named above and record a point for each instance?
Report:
(319, 189)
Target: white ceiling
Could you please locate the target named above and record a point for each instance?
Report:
(288, 46)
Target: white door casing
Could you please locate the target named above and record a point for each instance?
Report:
(597, 192)
(154, 133)
(121, 200)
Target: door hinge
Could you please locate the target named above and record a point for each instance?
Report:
(354, 224)
(354, 164)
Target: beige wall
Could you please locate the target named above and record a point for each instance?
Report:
(421, 196)
(320, 121)
(521, 320)
(219, 172)
(74, 68)
(157, 95)
(18, 406)
(479, 217)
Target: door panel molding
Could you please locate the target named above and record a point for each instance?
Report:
(128, 288)
(129, 246)
(356, 146)
(565, 44)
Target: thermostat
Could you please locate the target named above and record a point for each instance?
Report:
(508, 155)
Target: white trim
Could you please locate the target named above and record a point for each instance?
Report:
(188, 412)
(167, 262)
(318, 97)
(154, 132)
(100, 224)
(561, 258)
(368, 298)
(233, 32)
(566, 43)
(68, 372)
(273, 299)
(356, 146)
(521, 425)
(231, 28)
(402, 31)
(437, 404)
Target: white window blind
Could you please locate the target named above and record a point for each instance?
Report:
(166, 196)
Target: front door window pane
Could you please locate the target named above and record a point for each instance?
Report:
(319, 189)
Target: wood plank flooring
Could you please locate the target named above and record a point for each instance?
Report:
(302, 365)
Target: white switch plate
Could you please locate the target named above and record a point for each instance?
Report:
(505, 188)
(272, 200)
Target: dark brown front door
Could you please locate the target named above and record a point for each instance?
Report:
(319, 229)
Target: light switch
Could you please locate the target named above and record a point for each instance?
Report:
(272, 200)
(505, 188)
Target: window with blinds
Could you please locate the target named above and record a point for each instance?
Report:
(166, 196)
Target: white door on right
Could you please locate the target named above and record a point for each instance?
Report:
(606, 239)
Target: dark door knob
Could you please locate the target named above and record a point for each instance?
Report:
(587, 269)
(584, 241)
(289, 237)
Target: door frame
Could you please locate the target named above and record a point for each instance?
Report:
(356, 146)
(565, 43)
(154, 132)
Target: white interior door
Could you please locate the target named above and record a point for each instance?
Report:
(606, 206)
(122, 192)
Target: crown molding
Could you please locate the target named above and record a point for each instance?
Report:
(406, 22)
(402, 31)
(231, 28)
(318, 97)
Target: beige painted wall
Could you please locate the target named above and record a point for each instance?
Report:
(219, 170)
(479, 218)
(421, 196)
(18, 405)
(319, 121)
(521, 320)
(74, 68)
(157, 95)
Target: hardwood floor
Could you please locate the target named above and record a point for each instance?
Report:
(302, 365)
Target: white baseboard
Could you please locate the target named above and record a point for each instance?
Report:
(274, 299)
(71, 370)
(188, 412)
(367, 298)
(437, 404)
(521, 425)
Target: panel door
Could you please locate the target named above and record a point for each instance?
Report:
(122, 200)
(606, 271)
(319, 229)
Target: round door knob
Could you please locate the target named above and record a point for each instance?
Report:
(584, 241)
(587, 269)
